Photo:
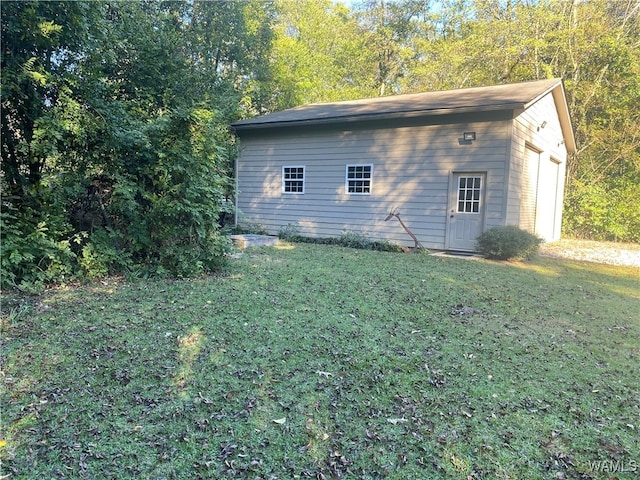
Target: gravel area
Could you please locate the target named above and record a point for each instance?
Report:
(625, 254)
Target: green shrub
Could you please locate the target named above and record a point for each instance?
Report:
(164, 209)
(156, 209)
(34, 251)
(289, 232)
(100, 255)
(357, 240)
(510, 242)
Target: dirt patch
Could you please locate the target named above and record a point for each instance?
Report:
(627, 254)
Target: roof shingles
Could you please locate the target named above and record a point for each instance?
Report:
(499, 97)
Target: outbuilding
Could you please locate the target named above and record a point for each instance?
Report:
(451, 163)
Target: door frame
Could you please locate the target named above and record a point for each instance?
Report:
(452, 202)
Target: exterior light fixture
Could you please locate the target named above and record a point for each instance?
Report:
(469, 136)
(542, 125)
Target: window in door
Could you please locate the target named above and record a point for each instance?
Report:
(469, 189)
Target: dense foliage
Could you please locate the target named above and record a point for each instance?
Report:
(116, 153)
(115, 147)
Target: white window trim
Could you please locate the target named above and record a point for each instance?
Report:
(304, 179)
(346, 178)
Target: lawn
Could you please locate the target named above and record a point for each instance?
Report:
(310, 361)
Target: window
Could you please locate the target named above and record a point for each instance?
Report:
(359, 179)
(293, 179)
(469, 194)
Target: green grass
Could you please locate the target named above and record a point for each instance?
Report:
(325, 362)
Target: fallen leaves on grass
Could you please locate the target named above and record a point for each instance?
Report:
(395, 421)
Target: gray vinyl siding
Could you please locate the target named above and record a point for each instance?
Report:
(411, 170)
(526, 187)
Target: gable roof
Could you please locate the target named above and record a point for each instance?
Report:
(513, 96)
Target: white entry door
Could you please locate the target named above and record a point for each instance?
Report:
(466, 211)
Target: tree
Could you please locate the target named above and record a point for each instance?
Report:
(602, 67)
(390, 30)
(119, 154)
(319, 54)
(41, 45)
(38, 55)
